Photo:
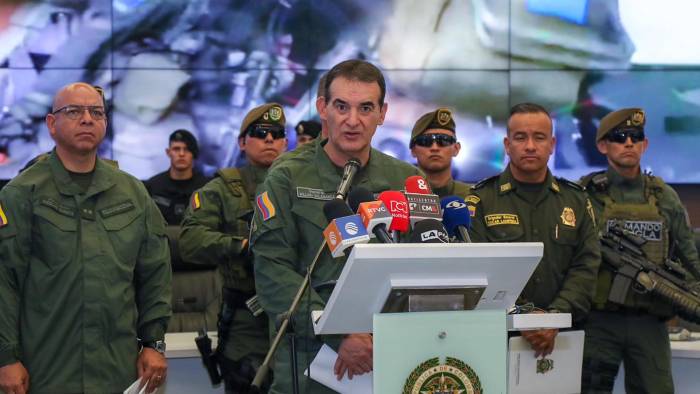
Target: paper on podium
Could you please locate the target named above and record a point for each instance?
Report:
(322, 372)
(134, 388)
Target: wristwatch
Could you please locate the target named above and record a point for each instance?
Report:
(158, 346)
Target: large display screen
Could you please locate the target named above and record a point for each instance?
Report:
(202, 64)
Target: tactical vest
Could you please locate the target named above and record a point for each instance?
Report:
(643, 219)
(236, 274)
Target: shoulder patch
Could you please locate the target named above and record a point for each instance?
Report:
(483, 182)
(196, 201)
(571, 184)
(3, 218)
(267, 210)
(472, 199)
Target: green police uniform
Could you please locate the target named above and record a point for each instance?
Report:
(213, 231)
(453, 188)
(558, 215)
(83, 273)
(635, 332)
(287, 231)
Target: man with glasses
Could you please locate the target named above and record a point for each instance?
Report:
(525, 203)
(434, 144)
(635, 332)
(84, 266)
(215, 231)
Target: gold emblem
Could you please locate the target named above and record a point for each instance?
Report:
(591, 212)
(454, 376)
(498, 219)
(545, 365)
(638, 118)
(275, 113)
(472, 199)
(505, 187)
(568, 217)
(555, 186)
(443, 116)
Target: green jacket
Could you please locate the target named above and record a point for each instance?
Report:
(287, 232)
(561, 219)
(212, 232)
(675, 222)
(453, 188)
(82, 275)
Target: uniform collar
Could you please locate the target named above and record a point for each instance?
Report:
(102, 178)
(329, 174)
(446, 190)
(506, 182)
(614, 178)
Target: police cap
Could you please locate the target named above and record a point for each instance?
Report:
(624, 118)
(441, 118)
(270, 113)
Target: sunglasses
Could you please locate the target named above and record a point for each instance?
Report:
(261, 131)
(427, 140)
(620, 135)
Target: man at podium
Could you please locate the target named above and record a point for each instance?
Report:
(289, 220)
(525, 203)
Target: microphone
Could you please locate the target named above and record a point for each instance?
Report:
(456, 217)
(374, 214)
(429, 231)
(422, 204)
(344, 230)
(397, 205)
(349, 171)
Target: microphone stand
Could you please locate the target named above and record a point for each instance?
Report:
(284, 328)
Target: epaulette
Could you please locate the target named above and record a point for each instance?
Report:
(232, 179)
(569, 183)
(483, 182)
(597, 181)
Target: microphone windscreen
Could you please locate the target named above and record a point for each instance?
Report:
(397, 205)
(454, 214)
(429, 231)
(357, 196)
(335, 209)
(417, 184)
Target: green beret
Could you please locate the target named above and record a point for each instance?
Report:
(628, 118)
(270, 113)
(438, 119)
(308, 127)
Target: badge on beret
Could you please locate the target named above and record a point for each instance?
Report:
(443, 117)
(275, 113)
(300, 129)
(568, 217)
(638, 118)
(3, 218)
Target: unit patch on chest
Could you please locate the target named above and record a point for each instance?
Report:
(497, 219)
(651, 231)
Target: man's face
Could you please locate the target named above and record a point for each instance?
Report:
(304, 139)
(352, 114)
(181, 158)
(435, 158)
(83, 134)
(529, 142)
(626, 155)
(261, 152)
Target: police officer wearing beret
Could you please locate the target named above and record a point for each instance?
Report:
(84, 266)
(434, 144)
(289, 219)
(307, 131)
(525, 203)
(633, 333)
(215, 231)
(171, 189)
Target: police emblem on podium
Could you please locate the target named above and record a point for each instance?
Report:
(452, 376)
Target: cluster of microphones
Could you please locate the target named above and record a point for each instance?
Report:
(417, 210)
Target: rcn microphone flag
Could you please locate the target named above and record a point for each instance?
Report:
(344, 232)
(397, 205)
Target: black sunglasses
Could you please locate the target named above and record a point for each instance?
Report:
(427, 140)
(620, 135)
(261, 131)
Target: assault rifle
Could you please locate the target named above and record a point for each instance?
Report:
(621, 249)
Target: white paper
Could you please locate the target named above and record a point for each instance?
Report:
(322, 372)
(134, 388)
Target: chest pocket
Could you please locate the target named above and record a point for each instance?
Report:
(54, 233)
(123, 230)
(505, 233)
(564, 235)
(311, 211)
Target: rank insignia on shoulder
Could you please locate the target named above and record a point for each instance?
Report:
(196, 201)
(3, 218)
(473, 199)
(267, 210)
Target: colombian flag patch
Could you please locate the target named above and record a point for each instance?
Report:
(267, 210)
(3, 217)
(196, 202)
